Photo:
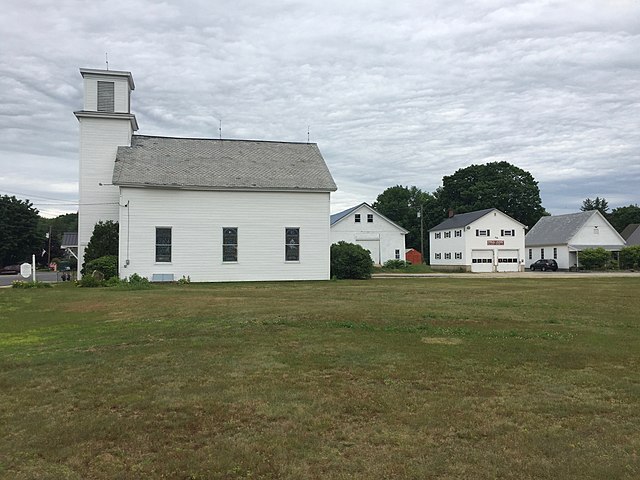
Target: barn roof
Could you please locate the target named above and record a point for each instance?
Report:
(196, 163)
(336, 217)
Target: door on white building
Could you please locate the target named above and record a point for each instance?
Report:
(508, 260)
(374, 249)
(482, 261)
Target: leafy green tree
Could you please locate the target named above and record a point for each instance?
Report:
(18, 230)
(630, 257)
(349, 260)
(493, 185)
(594, 258)
(57, 226)
(598, 203)
(103, 242)
(622, 216)
(402, 205)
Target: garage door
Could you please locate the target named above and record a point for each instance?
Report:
(482, 260)
(508, 260)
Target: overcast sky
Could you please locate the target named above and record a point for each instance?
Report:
(392, 92)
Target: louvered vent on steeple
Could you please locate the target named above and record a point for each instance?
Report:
(106, 97)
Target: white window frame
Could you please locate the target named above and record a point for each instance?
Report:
(170, 244)
(235, 260)
(289, 245)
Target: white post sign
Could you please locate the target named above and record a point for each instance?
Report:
(25, 270)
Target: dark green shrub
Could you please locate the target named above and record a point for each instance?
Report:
(107, 265)
(349, 260)
(594, 258)
(23, 284)
(396, 264)
(136, 282)
(89, 281)
(630, 257)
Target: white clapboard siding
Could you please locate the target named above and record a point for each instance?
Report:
(99, 141)
(197, 219)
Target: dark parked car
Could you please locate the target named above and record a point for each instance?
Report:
(544, 265)
(10, 269)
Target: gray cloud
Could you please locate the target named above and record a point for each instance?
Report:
(393, 94)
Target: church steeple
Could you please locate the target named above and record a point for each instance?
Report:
(106, 123)
(107, 93)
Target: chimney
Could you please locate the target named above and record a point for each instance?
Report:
(451, 212)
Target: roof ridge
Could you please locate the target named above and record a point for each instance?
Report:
(224, 139)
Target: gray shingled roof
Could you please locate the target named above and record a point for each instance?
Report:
(557, 229)
(629, 230)
(632, 234)
(221, 164)
(462, 219)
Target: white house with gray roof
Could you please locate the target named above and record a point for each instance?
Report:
(481, 241)
(563, 237)
(209, 209)
(368, 228)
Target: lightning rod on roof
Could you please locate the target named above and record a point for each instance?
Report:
(220, 130)
(308, 128)
(106, 59)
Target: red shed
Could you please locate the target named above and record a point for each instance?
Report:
(413, 256)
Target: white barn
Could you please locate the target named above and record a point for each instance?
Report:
(209, 209)
(368, 228)
(482, 241)
(563, 237)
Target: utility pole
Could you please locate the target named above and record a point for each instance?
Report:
(49, 250)
(420, 216)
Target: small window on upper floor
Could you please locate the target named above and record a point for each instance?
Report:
(437, 235)
(507, 233)
(458, 233)
(447, 234)
(369, 217)
(483, 233)
(106, 99)
(356, 218)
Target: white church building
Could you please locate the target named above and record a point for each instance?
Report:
(209, 209)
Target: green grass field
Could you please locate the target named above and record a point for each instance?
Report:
(403, 378)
